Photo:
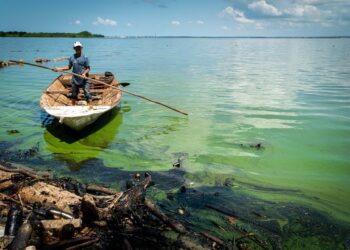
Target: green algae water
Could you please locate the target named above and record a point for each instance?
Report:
(291, 96)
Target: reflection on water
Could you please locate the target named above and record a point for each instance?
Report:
(76, 147)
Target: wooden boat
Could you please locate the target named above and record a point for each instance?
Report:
(56, 102)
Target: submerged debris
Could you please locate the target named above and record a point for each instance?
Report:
(33, 151)
(12, 131)
(20, 154)
(231, 219)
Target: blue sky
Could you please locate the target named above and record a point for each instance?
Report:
(180, 17)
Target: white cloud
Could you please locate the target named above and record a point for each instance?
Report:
(303, 11)
(77, 22)
(224, 27)
(129, 24)
(308, 16)
(175, 22)
(265, 8)
(237, 15)
(196, 22)
(321, 2)
(105, 22)
(312, 2)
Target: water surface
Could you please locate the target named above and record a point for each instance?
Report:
(290, 95)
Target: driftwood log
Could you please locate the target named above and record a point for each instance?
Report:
(58, 224)
(6, 180)
(178, 227)
(99, 189)
(19, 169)
(49, 195)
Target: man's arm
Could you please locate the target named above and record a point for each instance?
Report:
(87, 67)
(62, 69)
(87, 70)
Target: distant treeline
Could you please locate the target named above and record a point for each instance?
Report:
(85, 34)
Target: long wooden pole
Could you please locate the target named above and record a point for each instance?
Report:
(97, 81)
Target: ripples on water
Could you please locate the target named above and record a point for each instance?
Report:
(291, 95)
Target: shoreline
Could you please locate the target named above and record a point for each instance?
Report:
(82, 34)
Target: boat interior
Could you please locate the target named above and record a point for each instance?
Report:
(58, 93)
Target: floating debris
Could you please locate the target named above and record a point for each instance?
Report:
(37, 60)
(41, 60)
(231, 219)
(3, 64)
(181, 211)
(177, 164)
(137, 176)
(14, 220)
(229, 182)
(57, 59)
(7, 63)
(12, 131)
(256, 146)
(129, 184)
(183, 189)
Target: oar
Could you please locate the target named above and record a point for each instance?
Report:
(97, 81)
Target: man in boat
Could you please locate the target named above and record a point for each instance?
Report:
(81, 65)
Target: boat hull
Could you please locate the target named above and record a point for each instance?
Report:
(78, 115)
(78, 123)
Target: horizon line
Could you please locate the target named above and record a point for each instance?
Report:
(177, 36)
(185, 36)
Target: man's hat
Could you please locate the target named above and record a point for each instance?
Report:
(77, 44)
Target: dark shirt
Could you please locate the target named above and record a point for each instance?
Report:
(79, 64)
